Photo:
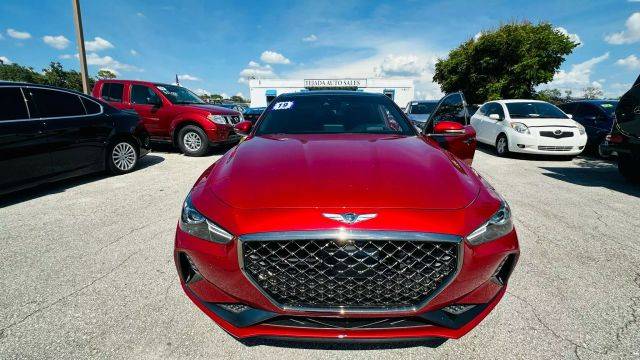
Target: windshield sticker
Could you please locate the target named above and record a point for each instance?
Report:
(283, 105)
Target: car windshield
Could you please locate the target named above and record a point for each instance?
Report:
(333, 114)
(179, 95)
(534, 110)
(609, 107)
(422, 108)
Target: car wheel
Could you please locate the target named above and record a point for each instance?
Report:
(502, 145)
(122, 157)
(193, 141)
(629, 167)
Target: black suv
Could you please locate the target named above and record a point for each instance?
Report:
(48, 134)
(624, 139)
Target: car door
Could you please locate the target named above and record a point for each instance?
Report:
(149, 106)
(493, 127)
(477, 121)
(588, 115)
(113, 93)
(464, 144)
(76, 139)
(24, 153)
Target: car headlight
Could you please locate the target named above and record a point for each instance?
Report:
(499, 225)
(195, 224)
(581, 129)
(520, 127)
(218, 119)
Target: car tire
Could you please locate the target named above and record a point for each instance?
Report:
(193, 141)
(122, 157)
(629, 167)
(502, 145)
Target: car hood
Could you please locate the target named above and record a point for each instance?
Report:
(537, 122)
(345, 171)
(218, 110)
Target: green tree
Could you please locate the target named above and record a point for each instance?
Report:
(15, 72)
(592, 92)
(216, 97)
(56, 75)
(550, 95)
(106, 74)
(238, 99)
(504, 63)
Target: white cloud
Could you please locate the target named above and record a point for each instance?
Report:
(97, 44)
(631, 62)
(108, 61)
(133, 52)
(578, 77)
(5, 60)
(628, 36)
(140, 14)
(201, 92)
(256, 71)
(66, 56)
(58, 42)
(239, 93)
(224, 95)
(188, 77)
(310, 38)
(408, 65)
(477, 36)
(272, 57)
(573, 37)
(20, 35)
(390, 57)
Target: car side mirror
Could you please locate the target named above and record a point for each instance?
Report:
(448, 128)
(243, 128)
(460, 140)
(495, 117)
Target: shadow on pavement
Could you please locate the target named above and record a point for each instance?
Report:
(593, 172)
(318, 344)
(168, 148)
(63, 185)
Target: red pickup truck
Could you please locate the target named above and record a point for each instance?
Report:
(172, 113)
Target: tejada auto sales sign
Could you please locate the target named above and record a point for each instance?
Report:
(328, 83)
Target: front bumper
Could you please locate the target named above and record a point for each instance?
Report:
(535, 144)
(220, 282)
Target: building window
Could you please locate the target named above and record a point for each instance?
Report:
(271, 94)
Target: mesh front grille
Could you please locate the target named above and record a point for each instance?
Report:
(560, 135)
(555, 148)
(353, 274)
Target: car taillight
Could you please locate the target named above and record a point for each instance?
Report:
(615, 139)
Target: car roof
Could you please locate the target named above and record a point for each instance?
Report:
(509, 101)
(138, 82)
(332, 92)
(424, 101)
(17, 83)
(592, 101)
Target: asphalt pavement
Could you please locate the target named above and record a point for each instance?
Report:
(87, 270)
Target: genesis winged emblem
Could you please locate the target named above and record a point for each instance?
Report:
(349, 218)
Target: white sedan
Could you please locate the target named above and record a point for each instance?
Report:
(528, 126)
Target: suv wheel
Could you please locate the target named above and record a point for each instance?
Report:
(122, 157)
(629, 167)
(193, 141)
(502, 145)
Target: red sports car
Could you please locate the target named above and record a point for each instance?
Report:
(337, 219)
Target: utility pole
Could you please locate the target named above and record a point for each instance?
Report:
(80, 39)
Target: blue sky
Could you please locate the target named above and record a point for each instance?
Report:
(216, 45)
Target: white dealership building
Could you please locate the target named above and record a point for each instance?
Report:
(262, 91)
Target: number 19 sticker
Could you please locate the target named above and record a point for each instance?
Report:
(283, 105)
